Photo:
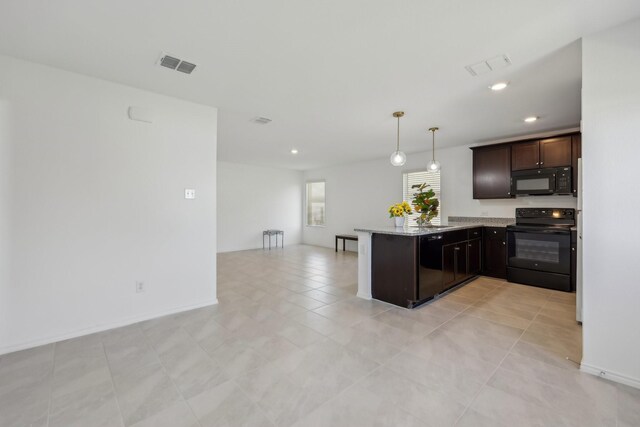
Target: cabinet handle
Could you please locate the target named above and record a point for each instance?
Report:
(503, 243)
(469, 244)
(457, 248)
(495, 232)
(542, 163)
(537, 163)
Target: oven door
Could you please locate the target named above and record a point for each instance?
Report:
(539, 248)
(537, 181)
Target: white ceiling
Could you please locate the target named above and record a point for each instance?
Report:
(329, 73)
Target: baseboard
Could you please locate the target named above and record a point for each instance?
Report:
(609, 375)
(103, 327)
(364, 296)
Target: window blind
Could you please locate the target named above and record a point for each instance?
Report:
(414, 178)
(316, 203)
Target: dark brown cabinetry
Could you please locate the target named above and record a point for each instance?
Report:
(525, 155)
(394, 269)
(408, 270)
(492, 172)
(555, 152)
(495, 252)
(474, 257)
(493, 164)
(545, 153)
(454, 263)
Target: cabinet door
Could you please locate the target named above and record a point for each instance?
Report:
(394, 269)
(576, 153)
(492, 172)
(555, 152)
(474, 254)
(525, 155)
(430, 268)
(448, 266)
(461, 267)
(495, 252)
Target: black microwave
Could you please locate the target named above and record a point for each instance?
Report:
(541, 181)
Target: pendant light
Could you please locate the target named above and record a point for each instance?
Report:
(398, 157)
(434, 165)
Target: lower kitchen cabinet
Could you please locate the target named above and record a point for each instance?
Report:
(408, 270)
(394, 269)
(495, 252)
(474, 257)
(454, 264)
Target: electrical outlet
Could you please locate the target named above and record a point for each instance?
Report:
(139, 287)
(189, 193)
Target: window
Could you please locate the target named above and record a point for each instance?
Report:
(315, 203)
(413, 178)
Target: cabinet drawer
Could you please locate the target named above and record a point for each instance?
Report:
(454, 236)
(474, 233)
(495, 233)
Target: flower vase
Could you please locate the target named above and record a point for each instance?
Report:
(423, 221)
(399, 221)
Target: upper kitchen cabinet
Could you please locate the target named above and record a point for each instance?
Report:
(555, 152)
(493, 164)
(525, 155)
(545, 153)
(492, 172)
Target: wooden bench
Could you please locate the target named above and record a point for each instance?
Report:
(344, 238)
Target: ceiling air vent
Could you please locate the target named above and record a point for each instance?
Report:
(186, 67)
(177, 64)
(488, 65)
(169, 62)
(261, 120)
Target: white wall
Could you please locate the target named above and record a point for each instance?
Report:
(611, 149)
(91, 202)
(358, 194)
(252, 199)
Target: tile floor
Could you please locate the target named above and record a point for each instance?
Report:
(290, 344)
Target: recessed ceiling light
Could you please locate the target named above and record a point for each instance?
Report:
(531, 119)
(499, 86)
(294, 151)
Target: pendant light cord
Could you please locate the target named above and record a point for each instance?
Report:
(433, 145)
(398, 137)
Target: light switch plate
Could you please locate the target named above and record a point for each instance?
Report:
(189, 193)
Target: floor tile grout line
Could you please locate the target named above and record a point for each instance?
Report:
(113, 384)
(356, 382)
(256, 404)
(53, 371)
(166, 372)
(494, 372)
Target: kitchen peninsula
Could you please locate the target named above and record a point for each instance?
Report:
(407, 266)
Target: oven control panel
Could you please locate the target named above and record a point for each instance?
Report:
(553, 213)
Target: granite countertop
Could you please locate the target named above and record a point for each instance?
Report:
(454, 223)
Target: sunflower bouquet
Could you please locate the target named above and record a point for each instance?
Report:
(425, 204)
(399, 209)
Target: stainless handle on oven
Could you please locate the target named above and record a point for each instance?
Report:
(541, 231)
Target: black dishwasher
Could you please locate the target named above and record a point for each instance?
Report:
(430, 268)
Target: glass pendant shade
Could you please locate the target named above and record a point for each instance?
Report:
(398, 158)
(433, 166)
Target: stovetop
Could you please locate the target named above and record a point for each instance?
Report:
(545, 217)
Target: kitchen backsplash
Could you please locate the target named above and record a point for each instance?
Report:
(482, 219)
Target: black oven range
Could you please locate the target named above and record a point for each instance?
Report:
(541, 248)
